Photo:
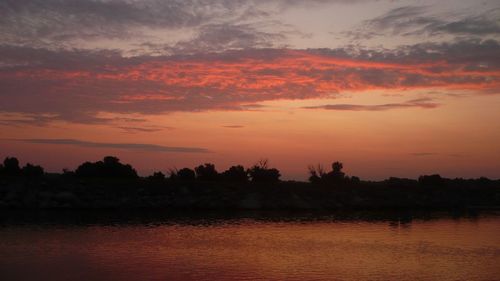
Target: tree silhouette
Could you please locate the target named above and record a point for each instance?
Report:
(261, 173)
(235, 174)
(336, 175)
(11, 166)
(185, 174)
(32, 171)
(316, 173)
(207, 172)
(110, 167)
(157, 176)
(431, 180)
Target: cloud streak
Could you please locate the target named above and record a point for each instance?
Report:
(417, 20)
(425, 103)
(126, 146)
(234, 126)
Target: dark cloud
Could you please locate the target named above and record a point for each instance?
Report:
(418, 20)
(234, 126)
(59, 23)
(29, 20)
(127, 146)
(76, 85)
(144, 129)
(425, 103)
(423, 154)
(217, 37)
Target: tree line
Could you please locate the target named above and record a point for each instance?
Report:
(261, 172)
(111, 167)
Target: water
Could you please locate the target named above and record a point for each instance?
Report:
(249, 247)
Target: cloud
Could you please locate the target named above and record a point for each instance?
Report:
(418, 20)
(221, 37)
(234, 126)
(44, 86)
(148, 129)
(127, 146)
(69, 23)
(423, 154)
(54, 20)
(425, 103)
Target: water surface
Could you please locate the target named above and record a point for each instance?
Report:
(250, 247)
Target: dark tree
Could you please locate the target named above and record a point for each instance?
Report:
(316, 173)
(261, 173)
(11, 166)
(235, 174)
(111, 161)
(336, 175)
(110, 167)
(32, 171)
(157, 176)
(184, 174)
(207, 172)
(355, 180)
(68, 173)
(431, 180)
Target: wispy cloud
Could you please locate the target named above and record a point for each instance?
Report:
(419, 20)
(148, 129)
(233, 126)
(423, 154)
(425, 103)
(126, 146)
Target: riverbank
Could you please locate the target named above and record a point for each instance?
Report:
(59, 192)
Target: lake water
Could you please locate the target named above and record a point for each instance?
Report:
(255, 246)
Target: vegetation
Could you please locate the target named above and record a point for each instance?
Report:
(111, 184)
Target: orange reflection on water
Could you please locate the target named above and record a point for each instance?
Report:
(442, 249)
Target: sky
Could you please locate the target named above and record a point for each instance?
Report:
(389, 88)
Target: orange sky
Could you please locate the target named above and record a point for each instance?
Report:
(390, 88)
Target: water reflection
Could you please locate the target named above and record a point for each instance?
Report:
(249, 246)
(211, 217)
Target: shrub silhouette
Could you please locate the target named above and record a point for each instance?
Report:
(261, 173)
(336, 176)
(235, 174)
(157, 176)
(11, 166)
(110, 167)
(184, 174)
(316, 173)
(206, 172)
(32, 171)
(431, 180)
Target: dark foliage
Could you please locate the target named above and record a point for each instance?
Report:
(432, 180)
(159, 176)
(110, 167)
(235, 174)
(336, 176)
(11, 166)
(109, 184)
(261, 173)
(184, 174)
(206, 172)
(32, 171)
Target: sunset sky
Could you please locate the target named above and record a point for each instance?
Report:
(390, 88)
